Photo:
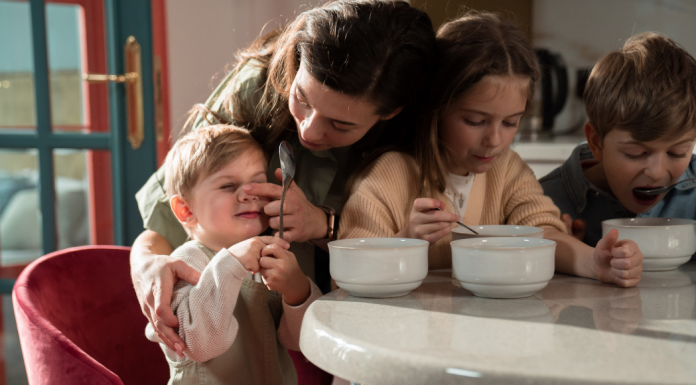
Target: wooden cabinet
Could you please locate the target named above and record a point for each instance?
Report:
(519, 11)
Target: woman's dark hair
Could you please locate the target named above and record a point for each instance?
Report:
(473, 46)
(383, 51)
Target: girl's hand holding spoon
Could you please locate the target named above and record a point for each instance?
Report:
(427, 221)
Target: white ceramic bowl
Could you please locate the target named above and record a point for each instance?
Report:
(488, 231)
(666, 243)
(503, 267)
(378, 267)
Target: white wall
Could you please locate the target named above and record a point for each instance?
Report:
(583, 31)
(203, 37)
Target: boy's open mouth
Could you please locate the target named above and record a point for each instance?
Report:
(644, 199)
(249, 214)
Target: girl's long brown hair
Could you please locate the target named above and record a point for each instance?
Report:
(473, 46)
(383, 51)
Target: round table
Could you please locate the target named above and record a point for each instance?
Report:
(575, 330)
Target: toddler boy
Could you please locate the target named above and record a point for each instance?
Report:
(236, 330)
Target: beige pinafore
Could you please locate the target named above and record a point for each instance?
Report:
(256, 356)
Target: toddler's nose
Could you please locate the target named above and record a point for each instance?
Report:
(244, 197)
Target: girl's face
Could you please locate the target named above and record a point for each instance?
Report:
(325, 118)
(481, 124)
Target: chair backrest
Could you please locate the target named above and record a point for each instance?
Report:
(79, 320)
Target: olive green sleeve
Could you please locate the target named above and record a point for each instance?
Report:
(156, 212)
(152, 197)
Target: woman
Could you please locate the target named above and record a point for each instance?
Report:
(347, 77)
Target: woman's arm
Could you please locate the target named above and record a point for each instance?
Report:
(154, 274)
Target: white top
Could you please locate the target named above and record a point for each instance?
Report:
(458, 191)
(574, 331)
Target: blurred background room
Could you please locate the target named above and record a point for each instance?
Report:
(71, 156)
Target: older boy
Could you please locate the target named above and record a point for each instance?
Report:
(641, 104)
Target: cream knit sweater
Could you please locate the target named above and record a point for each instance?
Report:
(206, 323)
(508, 193)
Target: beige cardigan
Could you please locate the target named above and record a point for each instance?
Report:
(508, 193)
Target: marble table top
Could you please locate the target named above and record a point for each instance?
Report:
(575, 330)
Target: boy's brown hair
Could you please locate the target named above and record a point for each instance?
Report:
(201, 153)
(647, 88)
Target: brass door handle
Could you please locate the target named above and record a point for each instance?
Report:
(134, 90)
(104, 78)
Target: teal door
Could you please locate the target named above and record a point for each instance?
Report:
(73, 153)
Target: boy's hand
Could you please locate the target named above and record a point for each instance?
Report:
(282, 273)
(619, 262)
(248, 252)
(576, 227)
(428, 223)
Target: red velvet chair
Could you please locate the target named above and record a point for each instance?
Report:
(80, 323)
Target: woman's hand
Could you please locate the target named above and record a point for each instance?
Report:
(426, 222)
(154, 275)
(248, 252)
(302, 220)
(618, 262)
(282, 273)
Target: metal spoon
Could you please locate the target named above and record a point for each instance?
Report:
(287, 166)
(686, 183)
(461, 224)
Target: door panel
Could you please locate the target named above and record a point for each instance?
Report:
(85, 173)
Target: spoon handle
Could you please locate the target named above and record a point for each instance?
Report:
(461, 224)
(286, 185)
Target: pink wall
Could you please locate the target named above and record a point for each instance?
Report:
(203, 37)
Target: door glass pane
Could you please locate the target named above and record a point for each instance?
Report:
(72, 197)
(17, 105)
(65, 58)
(20, 213)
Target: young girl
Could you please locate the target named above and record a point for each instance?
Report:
(463, 165)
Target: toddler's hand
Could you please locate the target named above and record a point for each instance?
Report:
(248, 252)
(576, 227)
(619, 262)
(426, 222)
(282, 273)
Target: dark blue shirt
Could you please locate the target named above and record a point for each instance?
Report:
(576, 196)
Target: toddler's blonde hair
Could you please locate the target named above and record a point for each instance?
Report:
(201, 153)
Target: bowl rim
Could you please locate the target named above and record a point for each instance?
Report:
(333, 244)
(462, 243)
(461, 230)
(608, 222)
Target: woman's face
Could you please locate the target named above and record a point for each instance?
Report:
(479, 126)
(325, 118)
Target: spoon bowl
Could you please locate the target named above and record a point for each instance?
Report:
(650, 192)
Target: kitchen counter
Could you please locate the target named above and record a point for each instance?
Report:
(545, 155)
(573, 331)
